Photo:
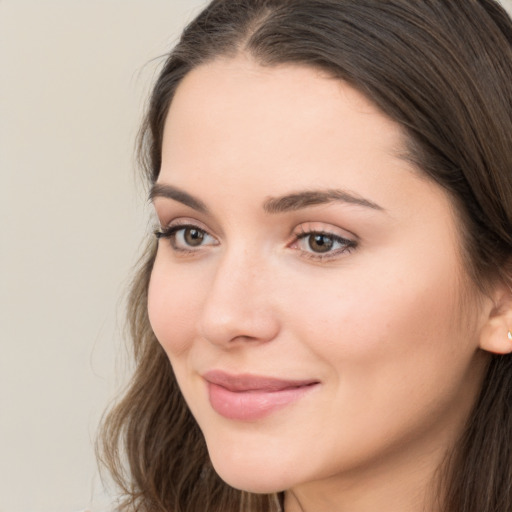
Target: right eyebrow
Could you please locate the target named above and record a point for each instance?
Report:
(176, 194)
(307, 198)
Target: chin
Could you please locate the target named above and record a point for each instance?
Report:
(252, 477)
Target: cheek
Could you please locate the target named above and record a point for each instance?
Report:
(394, 350)
(173, 305)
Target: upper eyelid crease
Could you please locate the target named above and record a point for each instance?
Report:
(273, 205)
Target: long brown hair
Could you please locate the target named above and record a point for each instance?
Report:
(442, 69)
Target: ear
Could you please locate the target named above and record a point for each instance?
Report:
(496, 333)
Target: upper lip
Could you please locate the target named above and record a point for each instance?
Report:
(249, 382)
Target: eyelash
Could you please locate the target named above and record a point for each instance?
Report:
(348, 246)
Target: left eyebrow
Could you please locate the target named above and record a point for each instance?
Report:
(299, 200)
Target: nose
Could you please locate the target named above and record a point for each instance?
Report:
(239, 304)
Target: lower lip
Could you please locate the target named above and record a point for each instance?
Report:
(255, 404)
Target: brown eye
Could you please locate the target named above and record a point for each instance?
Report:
(193, 236)
(320, 243)
(186, 238)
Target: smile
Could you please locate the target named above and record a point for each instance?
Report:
(250, 397)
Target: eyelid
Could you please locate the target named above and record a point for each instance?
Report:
(184, 222)
(168, 211)
(307, 228)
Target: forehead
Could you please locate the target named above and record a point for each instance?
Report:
(278, 81)
(236, 112)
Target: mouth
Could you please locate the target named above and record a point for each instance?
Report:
(252, 397)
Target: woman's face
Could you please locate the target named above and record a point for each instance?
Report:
(308, 282)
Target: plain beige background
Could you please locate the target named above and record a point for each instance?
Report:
(74, 75)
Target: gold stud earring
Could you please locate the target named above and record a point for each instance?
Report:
(509, 335)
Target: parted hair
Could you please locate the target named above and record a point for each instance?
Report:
(442, 70)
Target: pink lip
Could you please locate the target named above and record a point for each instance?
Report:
(251, 397)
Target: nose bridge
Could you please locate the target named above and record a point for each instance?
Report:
(238, 304)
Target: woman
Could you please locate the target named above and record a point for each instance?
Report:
(322, 322)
